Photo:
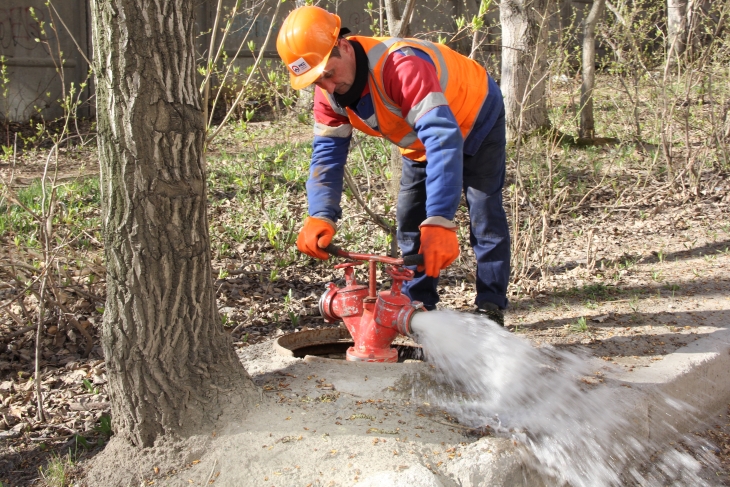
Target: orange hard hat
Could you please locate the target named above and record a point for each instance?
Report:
(305, 41)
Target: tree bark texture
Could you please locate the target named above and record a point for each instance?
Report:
(676, 28)
(397, 27)
(587, 122)
(524, 65)
(171, 367)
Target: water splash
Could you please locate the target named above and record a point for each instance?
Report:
(578, 435)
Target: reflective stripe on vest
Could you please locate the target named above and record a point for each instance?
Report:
(343, 131)
(432, 100)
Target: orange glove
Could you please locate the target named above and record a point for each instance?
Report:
(315, 235)
(439, 245)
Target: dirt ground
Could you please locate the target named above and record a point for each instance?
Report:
(630, 286)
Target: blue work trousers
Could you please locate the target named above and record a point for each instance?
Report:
(488, 232)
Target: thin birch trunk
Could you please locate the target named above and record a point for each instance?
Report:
(587, 122)
(676, 28)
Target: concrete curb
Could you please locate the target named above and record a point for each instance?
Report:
(675, 395)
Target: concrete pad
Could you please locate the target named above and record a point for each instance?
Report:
(493, 461)
(418, 475)
(332, 423)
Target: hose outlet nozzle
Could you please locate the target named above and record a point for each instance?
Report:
(325, 303)
(405, 317)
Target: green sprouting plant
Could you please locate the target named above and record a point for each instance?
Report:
(289, 306)
(105, 426)
(634, 303)
(673, 288)
(627, 263)
(596, 291)
(90, 387)
(272, 231)
(689, 245)
(374, 24)
(656, 275)
(580, 326)
(81, 441)
(56, 472)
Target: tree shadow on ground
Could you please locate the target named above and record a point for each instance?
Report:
(654, 258)
(607, 293)
(674, 331)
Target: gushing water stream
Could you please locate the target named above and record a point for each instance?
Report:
(579, 435)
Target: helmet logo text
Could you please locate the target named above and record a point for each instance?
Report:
(299, 66)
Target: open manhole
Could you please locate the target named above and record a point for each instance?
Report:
(332, 343)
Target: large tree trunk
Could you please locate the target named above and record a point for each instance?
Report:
(587, 123)
(524, 65)
(171, 367)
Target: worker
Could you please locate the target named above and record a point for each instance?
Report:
(447, 117)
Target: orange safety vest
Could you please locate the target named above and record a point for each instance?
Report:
(463, 82)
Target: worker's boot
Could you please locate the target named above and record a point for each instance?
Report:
(491, 311)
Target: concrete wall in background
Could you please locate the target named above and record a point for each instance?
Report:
(36, 69)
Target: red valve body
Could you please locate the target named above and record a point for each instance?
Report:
(373, 321)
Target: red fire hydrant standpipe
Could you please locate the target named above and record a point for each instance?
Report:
(373, 319)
